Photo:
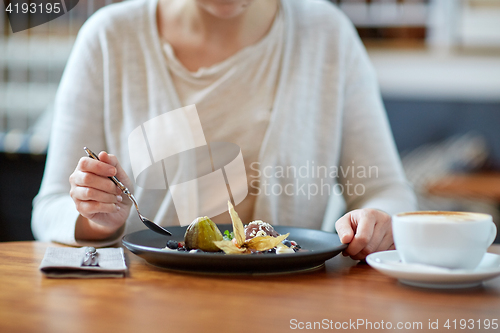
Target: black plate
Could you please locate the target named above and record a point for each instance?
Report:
(320, 246)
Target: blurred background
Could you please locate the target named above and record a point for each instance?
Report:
(438, 64)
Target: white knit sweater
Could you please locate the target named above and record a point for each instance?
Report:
(328, 135)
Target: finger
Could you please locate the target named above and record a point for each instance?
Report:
(92, 194)
(364, 233)
(382, 236)
(386, 243)
(381, 241)
(99, 168)
(88, 179)
(373, 245)
(113, 160)
(120, 173)
(344, 229)
(89, 208)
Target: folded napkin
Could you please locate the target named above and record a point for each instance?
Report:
(64, 262)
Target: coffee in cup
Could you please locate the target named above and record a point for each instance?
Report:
(456, 240)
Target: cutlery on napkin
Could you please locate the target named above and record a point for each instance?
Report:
(64, 262)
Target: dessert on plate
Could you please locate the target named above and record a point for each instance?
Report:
(258, 237)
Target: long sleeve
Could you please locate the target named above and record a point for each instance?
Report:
(371, 171)
(78, 122)
(330, 122)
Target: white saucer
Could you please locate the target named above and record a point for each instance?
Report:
(389, 263)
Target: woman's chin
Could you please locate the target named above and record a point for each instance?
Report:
(225, 9)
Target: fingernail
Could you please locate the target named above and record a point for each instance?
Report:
(117, 207)
(119, 198)
(340, 237)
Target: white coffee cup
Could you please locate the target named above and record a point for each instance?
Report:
(456, 240)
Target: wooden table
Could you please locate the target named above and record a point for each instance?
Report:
(151, 299)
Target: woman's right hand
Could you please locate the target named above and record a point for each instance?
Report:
(103, 210)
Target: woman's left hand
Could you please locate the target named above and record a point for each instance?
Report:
(366, 231)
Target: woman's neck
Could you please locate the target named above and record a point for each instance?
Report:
(200, 39)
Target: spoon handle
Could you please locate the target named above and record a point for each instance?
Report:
(115, 180)
(150, 224)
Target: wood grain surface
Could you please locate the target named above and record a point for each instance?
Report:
(152, 299)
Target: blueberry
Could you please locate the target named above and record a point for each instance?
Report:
(286, 242)
(171, 244)
(273, 250)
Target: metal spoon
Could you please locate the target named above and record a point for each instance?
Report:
(150, 224)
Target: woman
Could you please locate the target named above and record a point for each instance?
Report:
(288, 81)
